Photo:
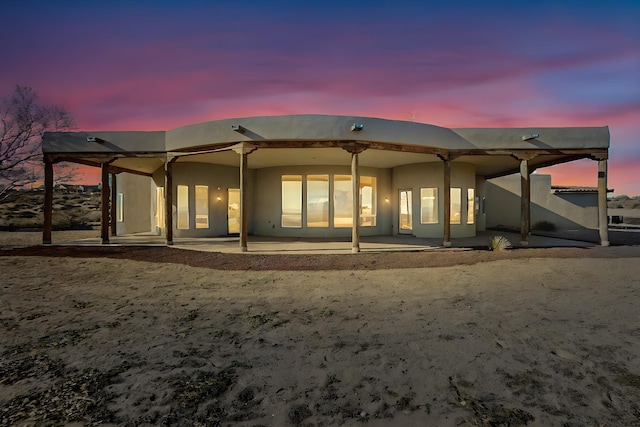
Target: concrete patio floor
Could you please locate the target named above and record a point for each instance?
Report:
(275, 245)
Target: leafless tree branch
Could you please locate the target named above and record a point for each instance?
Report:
(23, 121)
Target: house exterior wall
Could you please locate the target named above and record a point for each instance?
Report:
(428, 175)
(562, 210)
(136, 193)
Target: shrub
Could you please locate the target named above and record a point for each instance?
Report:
(544, 226)
(499, 243)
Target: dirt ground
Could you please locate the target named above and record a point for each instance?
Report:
(162, 336)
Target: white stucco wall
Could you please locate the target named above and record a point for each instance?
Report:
(562, 210)
(426, 175)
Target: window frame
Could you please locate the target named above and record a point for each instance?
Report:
(434, 206)
(182, 207)
(199, 213)
(296, 214)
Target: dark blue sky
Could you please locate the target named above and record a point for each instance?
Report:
(162, 64)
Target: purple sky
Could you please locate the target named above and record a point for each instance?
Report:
(160, 65)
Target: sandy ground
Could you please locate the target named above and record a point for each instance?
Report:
(521, 340)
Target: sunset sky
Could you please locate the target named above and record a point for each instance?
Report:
(156, 65)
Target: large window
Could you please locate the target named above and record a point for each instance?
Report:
(183, 206)
(202, 206)
(342, 201)
(471, 211)
(428, 205)
(367, 201)
(317, 200)
(292, 201)
(456, 212)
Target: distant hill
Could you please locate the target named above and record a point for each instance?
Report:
(72, 209)
(624, 202)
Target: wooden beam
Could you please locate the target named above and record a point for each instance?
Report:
(48, 202)
(355, 190)
(244, 200)
(104, 205)
(114, 208)
(540, 164)
(525, 202)
(603, 218)
(168, 201)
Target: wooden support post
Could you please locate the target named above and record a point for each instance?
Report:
(355, 190)
(447, 203)
(48, 202)
(525, 202)
(603, 218)
(244, 149)
(244, 203)
(104, 205)
(114, 208)
(168, 201)
(355, 148)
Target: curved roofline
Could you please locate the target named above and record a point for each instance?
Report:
(313, 127)
(296, 131)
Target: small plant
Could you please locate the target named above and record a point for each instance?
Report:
(544, 226)
(499, 243)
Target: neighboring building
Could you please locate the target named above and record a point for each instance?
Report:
(297, 176)
(560, 207)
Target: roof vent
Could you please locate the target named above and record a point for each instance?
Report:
(530, 137)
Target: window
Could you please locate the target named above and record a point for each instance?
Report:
(120, 208)
(342, 201)
(160, 207)
(367, 201)
(470, 206)
(183, 207)
(428, 205)
(292, 201)
(456, 195)
(317, 200)
(202, 206)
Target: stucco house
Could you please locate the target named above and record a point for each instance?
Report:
(311, 175)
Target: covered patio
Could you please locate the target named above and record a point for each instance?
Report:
(252, 154)
(299, 246)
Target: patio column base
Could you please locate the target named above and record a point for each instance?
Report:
(446, 244)
(524, 242)
(355, 250)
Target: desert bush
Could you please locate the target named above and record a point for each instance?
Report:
(499, 243)
(544, 226)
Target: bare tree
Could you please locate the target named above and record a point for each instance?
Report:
(23, 121)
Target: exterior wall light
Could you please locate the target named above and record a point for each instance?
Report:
(357, 127)
(530, 137)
